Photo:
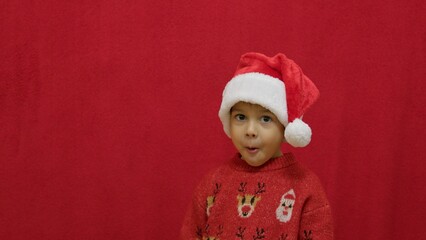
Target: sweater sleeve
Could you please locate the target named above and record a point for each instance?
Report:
(316, 221)
(195, 219)
(317, 224)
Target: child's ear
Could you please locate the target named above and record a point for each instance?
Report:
(284, 140)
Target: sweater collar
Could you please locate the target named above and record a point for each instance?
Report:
(283, 161)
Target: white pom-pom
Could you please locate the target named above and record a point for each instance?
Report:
(298, 133)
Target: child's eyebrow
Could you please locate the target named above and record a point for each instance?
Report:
(236, 109)
(266, 111)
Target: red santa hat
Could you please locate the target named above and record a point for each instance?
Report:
(290, 195)
(276, 83)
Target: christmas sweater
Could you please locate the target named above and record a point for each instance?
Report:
(279, 200)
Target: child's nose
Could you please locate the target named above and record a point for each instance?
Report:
(251, 130)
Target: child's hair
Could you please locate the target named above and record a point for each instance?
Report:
(276, 83)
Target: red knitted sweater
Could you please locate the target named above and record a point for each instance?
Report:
(278, 200)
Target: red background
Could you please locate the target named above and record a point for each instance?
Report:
(108, 110)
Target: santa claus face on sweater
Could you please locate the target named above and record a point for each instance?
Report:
(285, 208)
(256, 133)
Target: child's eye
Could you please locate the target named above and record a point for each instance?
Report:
(240, 117)
(266, 119)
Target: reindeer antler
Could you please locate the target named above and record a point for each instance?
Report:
(199, 232)
(242, 188)
(220, 231)
(217, 190)
(308, 234)
(240, 233)
(207, 230)
(260, 188)
(260, 234)
(283, 237)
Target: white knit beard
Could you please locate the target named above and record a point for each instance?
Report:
(281, 216)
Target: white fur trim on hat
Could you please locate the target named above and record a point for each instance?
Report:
(255, 88)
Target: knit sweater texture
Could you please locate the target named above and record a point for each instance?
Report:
(279, 200)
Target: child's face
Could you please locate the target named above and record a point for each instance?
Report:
(256, 133)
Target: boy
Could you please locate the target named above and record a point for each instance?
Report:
(262, 193)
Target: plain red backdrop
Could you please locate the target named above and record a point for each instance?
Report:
(108, 110)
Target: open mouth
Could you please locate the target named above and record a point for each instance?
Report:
(252, 149)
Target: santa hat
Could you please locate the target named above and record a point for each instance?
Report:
(276, 83)
(290, 195)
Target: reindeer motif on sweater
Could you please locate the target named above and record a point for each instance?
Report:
(247, 202)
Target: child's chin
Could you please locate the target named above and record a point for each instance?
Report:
(254, 162)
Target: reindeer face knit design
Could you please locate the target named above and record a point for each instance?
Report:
(278, 200)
